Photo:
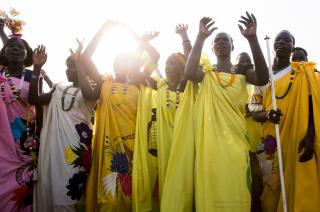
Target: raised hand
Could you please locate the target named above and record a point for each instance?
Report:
(150, 35)
(274, 116)
(181, 28)
(76, 55)
(205, 27)
(250, 24)
(39, 56)
(2, 24)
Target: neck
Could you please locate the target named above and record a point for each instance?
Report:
(15, 68)
(280, 63)
(75, 84)
(173, 84)
(224, 63)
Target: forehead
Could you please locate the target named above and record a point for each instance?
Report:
(284, 35)
(16, 42)
(298, 52)
(222, 36)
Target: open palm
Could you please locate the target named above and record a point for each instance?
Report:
(250, 24)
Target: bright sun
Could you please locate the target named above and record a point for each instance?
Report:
(113, 42)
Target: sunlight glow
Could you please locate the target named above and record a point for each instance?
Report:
(114, 41)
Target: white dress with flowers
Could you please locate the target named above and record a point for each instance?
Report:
(65, 152)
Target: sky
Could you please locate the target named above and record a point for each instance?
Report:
(57, 23)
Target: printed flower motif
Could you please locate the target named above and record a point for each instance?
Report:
(126, 184)
(70, 157)
(270, 144)
(120, 163)
(110, 183)
(85, 133)
(77, 186)
(86, 159)
(17, 128)
(22, 196)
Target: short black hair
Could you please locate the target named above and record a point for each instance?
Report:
(300, 49)
(287, 31)
(27, 62)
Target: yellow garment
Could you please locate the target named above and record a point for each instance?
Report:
(144, 164)
(165, 123)
(302, 180)
(109, 184)
(254, 128)
(222, 168)
(177, 193)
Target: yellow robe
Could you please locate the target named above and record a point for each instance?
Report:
(254, 128)
(144, 163)
(302, 180)
(222, 168)
(109, 184)
(165, 123)
(178, 187)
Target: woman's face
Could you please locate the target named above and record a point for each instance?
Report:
(126, 63)
(174, 69)
(283, 44)
(71, 71)
(222, 45)
(16, 51)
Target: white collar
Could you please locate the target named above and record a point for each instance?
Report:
(281, 73)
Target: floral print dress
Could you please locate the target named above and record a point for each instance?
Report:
(65, 152)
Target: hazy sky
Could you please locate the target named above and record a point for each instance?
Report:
(56, 24)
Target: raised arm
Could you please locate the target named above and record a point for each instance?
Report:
(46, 78)
(182, 29)
(192, 71)
(39, 59)
(144, 45)
(3, 35)
(260, 75)
(89, 67)
(88, 92)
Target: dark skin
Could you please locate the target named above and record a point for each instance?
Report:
(222, 47)
(3, 35)
(122, 74)
(182, 29)
(174, 67)
(39, 59)
(283, 45)
(16, 54)
(299, 56)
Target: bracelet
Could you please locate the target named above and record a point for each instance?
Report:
(35, 77)
(186, 41)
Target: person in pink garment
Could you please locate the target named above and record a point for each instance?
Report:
(17, 127)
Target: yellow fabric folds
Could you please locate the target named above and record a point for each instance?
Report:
(165, 123)
(222, 168)
(109, 184)
(177, 194)
(144, 164)
(302, 180)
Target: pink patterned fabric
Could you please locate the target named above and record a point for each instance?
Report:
(16, 166)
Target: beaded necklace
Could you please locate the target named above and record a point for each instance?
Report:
(289, 86)
(177, 96)
(31, 141)
(74, 95)
(16, 92)
(231, 80)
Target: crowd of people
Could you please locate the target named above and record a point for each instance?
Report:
(201, 138)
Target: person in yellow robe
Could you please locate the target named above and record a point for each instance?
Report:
(222, 175)
(169, 93)
(254, 134)
(297, 96)
(109, 186)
